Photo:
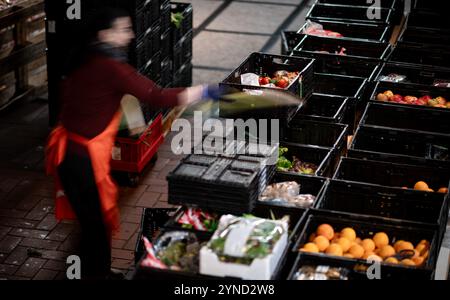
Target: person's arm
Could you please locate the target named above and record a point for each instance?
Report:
(128, 81)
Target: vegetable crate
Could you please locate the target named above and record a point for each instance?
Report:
(386, 202)
(342, 47)
(415, 74)
(323, 108)
(132, 155)
(356, 31)
(421, 119)
(348, 14)
(366, 227)
(152, 220)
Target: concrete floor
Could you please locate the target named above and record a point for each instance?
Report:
(33, 245)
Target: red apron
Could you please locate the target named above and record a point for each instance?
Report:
(99, 149)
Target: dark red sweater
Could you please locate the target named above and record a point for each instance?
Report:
(91, 95)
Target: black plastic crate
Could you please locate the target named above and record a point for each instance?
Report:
(382, 173)
(166, 71)
(289, 40)
(346, 13)
(367, 227)
(414, 90)
(152, 68)
(386, 202)
(317, 134)
(183, 76)
(138, 54)
(353, 48)
(165, 15)
(152, 12)
(152, 220)
(420, 54)
(383, 3)
(182, 51)
(319, 156)
(313, 185)
(358, 31)
(401, 146)
(267, 64)
(415, 74)
(186, 24)
(343, 65)
(425, 36)
(166, 43)
(418, 118)
(427, 19)
(323, 108)
(152, 40)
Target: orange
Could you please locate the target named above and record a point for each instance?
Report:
(344, 243)
(408, 262)
(374, 258)
(312, 237)
(335, 238)
(321, 242)
(389, 93)
(357, 251)
(403, 245)
(325, 230)
(368, 245)
(348, 233)
(367, 254)
(310, 247)
(421, 248)
(391, 260)
(348, 255)
(358, 241)
(421, 186)
(334, 249)
(381, 239)
(387, 251)
(425, 242)
(443, 190)
(418, 260)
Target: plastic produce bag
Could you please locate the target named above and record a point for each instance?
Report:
(313, 28)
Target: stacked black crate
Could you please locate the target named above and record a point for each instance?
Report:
(182, 45)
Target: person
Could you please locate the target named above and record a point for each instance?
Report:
(79, 149)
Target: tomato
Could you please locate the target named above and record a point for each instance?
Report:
(264, 80)
(282, 83)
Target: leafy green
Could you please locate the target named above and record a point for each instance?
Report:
(176, 19)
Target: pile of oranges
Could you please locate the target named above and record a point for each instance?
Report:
(423, 186)
(347, 244)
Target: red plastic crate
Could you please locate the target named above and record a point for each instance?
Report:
(132, 155)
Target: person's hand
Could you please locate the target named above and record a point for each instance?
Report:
(213, 92)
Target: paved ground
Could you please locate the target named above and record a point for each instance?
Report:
(32, 244)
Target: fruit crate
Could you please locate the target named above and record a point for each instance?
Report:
(344, 86)
(182, 51)
(389, 174)
(420, 54)
(343, 65)
(183, 76)
(367, 227)
(407, 89)
(186, 24)
(348, 14)
(323, 108)
(267, 64)
(415, 74)
(419, 119)
(401, 146)
(332, 46)
(327, 135)
(385, 202)
(356, 31)
(319, 156)
(132, 155)
(152, 220)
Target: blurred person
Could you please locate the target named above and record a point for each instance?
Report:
(79, 149)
